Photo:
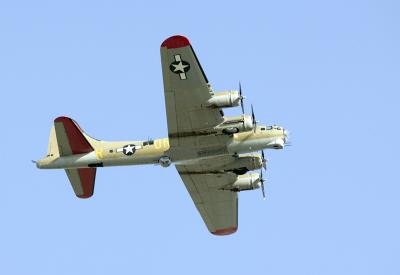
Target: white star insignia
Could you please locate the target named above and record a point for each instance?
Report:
(129, 149)
(180, 67)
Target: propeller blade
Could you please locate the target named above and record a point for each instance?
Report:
(262, 189)
(253, 118)
(264, 161)
(241, 97)
(286, 136)
(262, 185)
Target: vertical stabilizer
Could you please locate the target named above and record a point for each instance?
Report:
(52, 149)
(70, 138)
(67, 138)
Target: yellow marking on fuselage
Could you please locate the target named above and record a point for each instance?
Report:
(99, 154)
(162, 143)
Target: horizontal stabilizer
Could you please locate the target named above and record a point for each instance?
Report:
(70, 138)
(82, 181)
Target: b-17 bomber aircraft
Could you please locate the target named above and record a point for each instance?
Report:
(211, 152)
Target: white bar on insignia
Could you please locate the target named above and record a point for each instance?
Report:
(177, 57)
(182, 75)
(120, 149)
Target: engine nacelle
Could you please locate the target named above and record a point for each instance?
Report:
(244, 163)
(245, 182)
(235, 124)
(239, 165)
(224, 99)
(278, 143)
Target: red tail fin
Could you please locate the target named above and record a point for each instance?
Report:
(70, 138)
(71, 141)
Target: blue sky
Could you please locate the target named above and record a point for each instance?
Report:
(326, 70)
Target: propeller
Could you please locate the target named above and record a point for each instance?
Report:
(264, 160)
(241, 97)
(286, 138)
(287, 134)
(253, 119)
(262, 185)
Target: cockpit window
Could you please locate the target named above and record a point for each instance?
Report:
(149, 142)
(275, 127)
(263, 129)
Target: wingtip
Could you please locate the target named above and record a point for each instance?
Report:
(175, 42)
(225, 231)
(85, 196)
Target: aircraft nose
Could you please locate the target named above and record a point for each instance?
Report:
(286, 135)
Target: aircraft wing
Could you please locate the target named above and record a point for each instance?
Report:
(218, 208)
(186, 90)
